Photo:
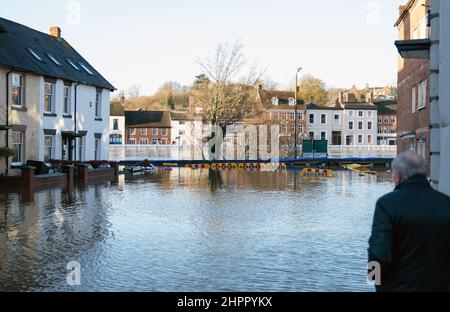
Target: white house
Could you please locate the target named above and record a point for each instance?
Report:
(343, 124)
(360, 124)
(181, 131)
(54, 104)
(117, 124)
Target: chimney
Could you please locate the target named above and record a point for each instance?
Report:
(55, 32)
(369, 97)
(341, 97)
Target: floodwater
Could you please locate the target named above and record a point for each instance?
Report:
(192, 230)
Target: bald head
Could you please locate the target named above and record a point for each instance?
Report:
(407, 165)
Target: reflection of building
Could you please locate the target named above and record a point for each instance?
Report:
(54, 101)
(417, 49)
(413, 81)
(117, 124)
(148, 127)
(387, 123)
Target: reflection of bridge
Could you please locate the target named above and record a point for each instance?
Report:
(175, 152)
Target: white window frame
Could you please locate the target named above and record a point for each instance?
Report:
(50, 96)
(144, 141)
(422, 95)
(323, 137)
(132, 141)
(360, 113)
(67, 98)
(144, 131)
(98, 104)
(321, 119)
(20, 148)
(351, 125)
(360, 125)
(80, 148)
(360, 139)
(51, 155)
(313, 119)
(97, 149)
(164, 132)
(413, 99)
(132, 131)
(369, 125)
(369, 139)
(155, 131)
(20, 87)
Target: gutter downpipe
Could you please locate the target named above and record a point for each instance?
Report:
(75, 120)
(7, 118)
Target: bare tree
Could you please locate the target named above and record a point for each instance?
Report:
(134, 91)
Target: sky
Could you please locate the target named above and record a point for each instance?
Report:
(149, 42)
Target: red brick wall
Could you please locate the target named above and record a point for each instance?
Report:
(149, 136)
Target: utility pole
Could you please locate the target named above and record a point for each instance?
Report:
(296, 114)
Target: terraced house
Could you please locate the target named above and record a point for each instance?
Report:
(53, 103)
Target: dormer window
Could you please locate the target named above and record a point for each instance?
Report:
(73, 64)
(275, 101)
(86, 69)
(291, 102)
(54, 60)
(36, 56)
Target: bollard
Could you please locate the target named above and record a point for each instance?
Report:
(69, 171)
(27, 178)
(83, 173)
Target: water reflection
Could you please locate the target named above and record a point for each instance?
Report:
(198, 230)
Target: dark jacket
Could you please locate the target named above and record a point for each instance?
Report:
(411, 238)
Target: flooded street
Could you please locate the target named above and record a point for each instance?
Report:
(193, 230)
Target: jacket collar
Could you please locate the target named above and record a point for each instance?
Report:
(417, 180)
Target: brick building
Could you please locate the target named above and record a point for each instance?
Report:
(148, 127)
(413, 80)
(387, 123)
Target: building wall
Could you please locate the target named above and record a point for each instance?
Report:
(386, 136)
(121, 130)
(181, 129)
(365, 132)
(328, 127)
(85, 118)
(149, 136)
(2, 114)
(413, 124)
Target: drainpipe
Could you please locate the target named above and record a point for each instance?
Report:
(75, 119)
(7, 118)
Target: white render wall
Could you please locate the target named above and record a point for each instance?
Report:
(365, 132)
(440, 95)
(318, 127)
(85, 117)
(121, 130)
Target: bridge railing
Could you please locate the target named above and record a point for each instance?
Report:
(362, 151)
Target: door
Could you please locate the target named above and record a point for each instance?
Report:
(67, 148)
(337, 138)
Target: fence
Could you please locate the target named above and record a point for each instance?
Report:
(175, 152)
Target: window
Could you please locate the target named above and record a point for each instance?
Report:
(285, 116)
(300, 128)
(164, 141)
(323, 135)
(98, 104)
(350, 113)
(422, 96)
(36, 56)
(337, 119)
(80, 147)
(380, 130)
(350, 125)
(291, 102)
(17, 90)
(48, 148)
(393, 119)
(291, 116)
(323, 119)
(144, 131)
(132, 131)
(413, 100)
(311, 118)
(115, 139)
(360, 125)
(360, 114)
(311, 135)
(86, 69)
(144, 141)
(300, 116)
(360, 139)
(369, 114)
(292, 128)
(369, 125)
(164, 132)
(386, 120)
(18, 147)
(72, 64)
(132, 141)
(155, 131)
(380, 120)
(275, 101)
(97, 149)
(49, 97)
(54, 60)
(420, 149)
(115, 124)
(370, 139)
(67, 108)
(284, 129)
(182, 122)
(182, 132)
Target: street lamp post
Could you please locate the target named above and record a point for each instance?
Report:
(296, 114)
